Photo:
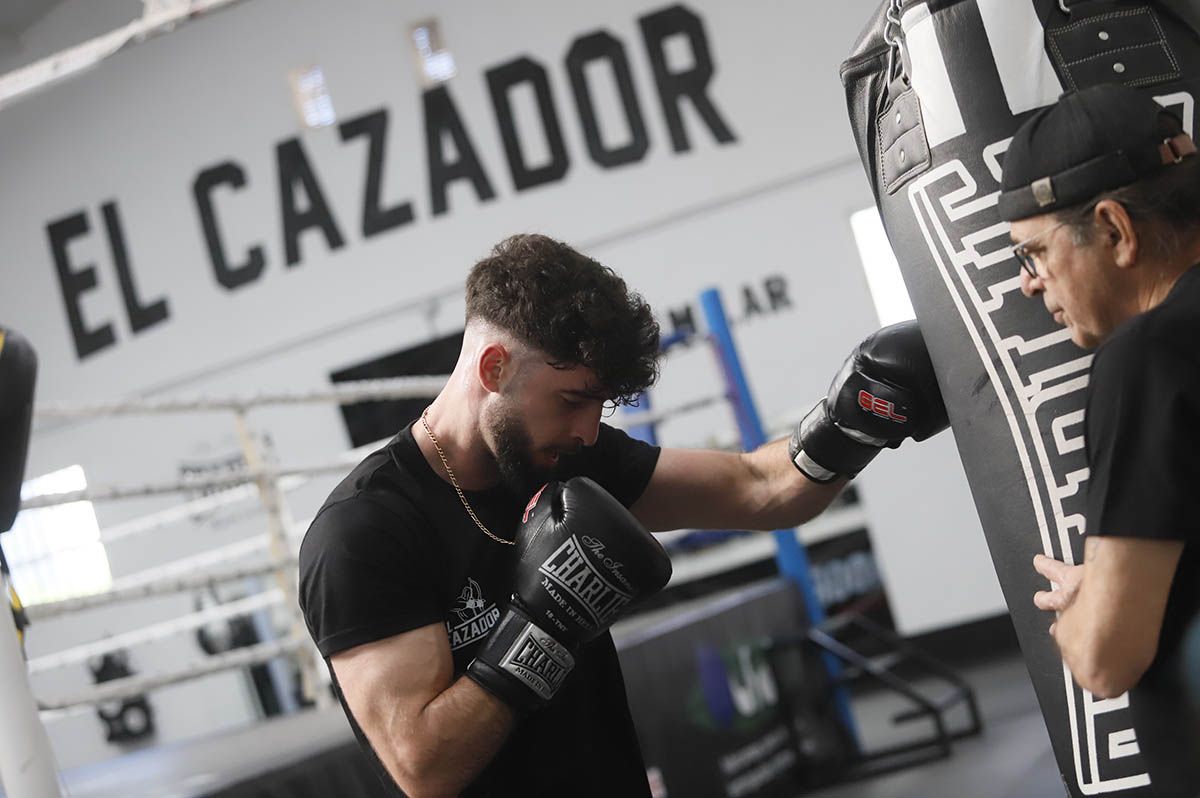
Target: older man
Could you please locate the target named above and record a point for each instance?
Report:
(1103, 193)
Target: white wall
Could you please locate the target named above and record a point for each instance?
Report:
(138, 129)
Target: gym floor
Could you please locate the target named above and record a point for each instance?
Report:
(1011, 758)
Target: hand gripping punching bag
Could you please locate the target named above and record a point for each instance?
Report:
(936, 89)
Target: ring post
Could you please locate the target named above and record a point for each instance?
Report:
(790, 556)
(277, 524)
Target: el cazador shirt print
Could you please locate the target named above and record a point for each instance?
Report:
(393, 549)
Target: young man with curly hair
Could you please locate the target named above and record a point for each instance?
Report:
(426, 612)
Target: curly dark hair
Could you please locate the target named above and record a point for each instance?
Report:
(577, 311)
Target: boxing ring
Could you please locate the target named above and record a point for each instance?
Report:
(268, 560)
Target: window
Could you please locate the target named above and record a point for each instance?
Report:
(883, 272)
(55, 553)
(311, 96)
(435, 64)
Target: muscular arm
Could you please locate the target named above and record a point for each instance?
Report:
(1108, 633)
(433, 733)
(704, 489)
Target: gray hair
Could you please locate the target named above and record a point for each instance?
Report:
(1165, 207)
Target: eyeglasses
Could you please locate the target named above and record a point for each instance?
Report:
(1022, 255)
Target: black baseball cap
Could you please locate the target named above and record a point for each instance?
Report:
(1090, 141)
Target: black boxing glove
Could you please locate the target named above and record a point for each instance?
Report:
(582, 558)
(885, 392)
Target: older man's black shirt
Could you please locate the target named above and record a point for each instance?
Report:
(1143, 449)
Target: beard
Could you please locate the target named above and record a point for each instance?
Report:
(513, 450)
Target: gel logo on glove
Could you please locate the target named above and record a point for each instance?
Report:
(880, 407)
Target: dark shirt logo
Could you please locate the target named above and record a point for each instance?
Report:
(476, 616)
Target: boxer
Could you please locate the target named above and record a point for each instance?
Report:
(464, 623)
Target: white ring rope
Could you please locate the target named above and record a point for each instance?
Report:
(196, 562)
(185, 511)
(131, 686)
(116, 492)
(158, 631)
(187, 573)
(243, 477)
(160, 587)
(642, 418)
(179, 512)
(290, 478)
(342, 393)
(228, 481)
(179, 576)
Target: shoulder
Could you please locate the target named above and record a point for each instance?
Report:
(613, 448)
(614, 441)
(374, 506)
(1149, 349)
(383, 482)
(610, 444)
(359, 530)
(618, 462)
(361, 511)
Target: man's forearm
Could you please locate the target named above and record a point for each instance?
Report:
(1108, 632)
(1094, 658)
(452, 740)
(783, 496)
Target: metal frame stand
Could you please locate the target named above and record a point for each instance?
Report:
(881, 668)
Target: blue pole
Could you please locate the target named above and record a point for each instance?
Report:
(790, 556)
(649, 432)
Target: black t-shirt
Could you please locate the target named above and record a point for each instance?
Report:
(1142, 434)
(393, 549)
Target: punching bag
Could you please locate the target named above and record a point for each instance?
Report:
(936, 89)
(18, 371)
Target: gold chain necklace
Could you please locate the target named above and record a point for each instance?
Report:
(454, 482)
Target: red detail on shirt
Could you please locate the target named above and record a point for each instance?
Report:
(533, 503)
